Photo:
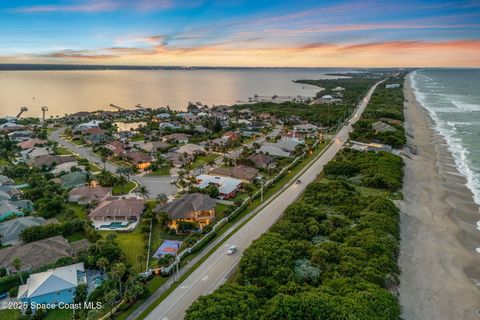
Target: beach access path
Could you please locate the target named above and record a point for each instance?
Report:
(217, 268)
(440, 269)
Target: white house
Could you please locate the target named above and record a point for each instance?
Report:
(88, 125)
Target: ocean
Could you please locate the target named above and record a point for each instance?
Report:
(69, 91)
(452, 97)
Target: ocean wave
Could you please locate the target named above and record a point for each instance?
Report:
(447, 130)
(466, 106)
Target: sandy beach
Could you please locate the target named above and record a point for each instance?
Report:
(440, 270)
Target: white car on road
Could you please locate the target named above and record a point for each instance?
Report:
(231, 250)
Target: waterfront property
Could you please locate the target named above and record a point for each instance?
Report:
(117, 214)
(53, 286)
(192, 207)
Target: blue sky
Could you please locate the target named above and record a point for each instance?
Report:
(241, 32)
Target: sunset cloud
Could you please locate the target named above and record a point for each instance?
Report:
(242, 33)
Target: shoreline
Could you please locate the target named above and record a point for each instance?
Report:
(440, 269)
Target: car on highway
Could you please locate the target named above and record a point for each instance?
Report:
(231, 250)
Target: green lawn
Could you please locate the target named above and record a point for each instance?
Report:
(132, 244)
(78, 142)
(10, 314)
(201, 160)
(220, 209)
(75, 237)
(138, 137)
(162, 171)
(118, 190)
(78, 210)
(58, 314)
(63, 151)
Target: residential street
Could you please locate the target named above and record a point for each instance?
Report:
(155, 185)
(218, 266)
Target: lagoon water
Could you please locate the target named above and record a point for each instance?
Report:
(452, 97)
(71, 91)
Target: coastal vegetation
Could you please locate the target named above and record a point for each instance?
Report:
(332, 255)
(324, 115)
(386, 105)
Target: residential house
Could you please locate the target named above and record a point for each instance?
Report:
(262, 161)
(54, 286)
(193, 207)
(6, 181)
(8, 209)
(34, 255)
(13, 192)
(87, 125)
(392, 86)
(231, 136)
(34, 152)
(10, 127)
(11, 229)
(66, 167)
(178, 160)
(307, 128)
(176, 138)
(292, 136)
(227, 187)
(97, 138)
(244, 173)
(191, 149)
(118, 210)
(21, 135)
(140, 159)
(28, 144)
(117, 147)
(380, 126)
(72, 179)
(50, 160)
(152, 147)
(87, 195)
(282, 148)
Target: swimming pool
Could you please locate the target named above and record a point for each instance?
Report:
(114, 225)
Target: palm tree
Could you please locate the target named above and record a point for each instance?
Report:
(102, 263)
(143, 191)
(162, 198)
(17, 264)
(118, 271)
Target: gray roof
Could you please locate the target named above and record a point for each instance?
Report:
(11, 229)
(186, 205)
(36, 254)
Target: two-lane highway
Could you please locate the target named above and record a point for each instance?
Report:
(215, 270)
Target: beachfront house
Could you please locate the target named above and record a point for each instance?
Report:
(193, 207)
(53, 286)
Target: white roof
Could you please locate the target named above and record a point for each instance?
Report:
(67, 166)
(226, 184)
(90, 124)
(51, 281)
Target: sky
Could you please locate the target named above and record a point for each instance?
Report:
(273, 33)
